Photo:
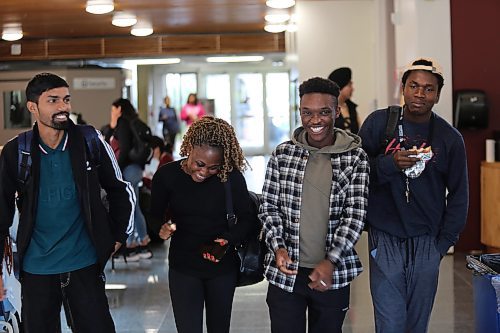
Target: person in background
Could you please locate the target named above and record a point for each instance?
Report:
(162, 154)
(348, 118)
(418, 201)
(168, 117)
(121, 140)
(203, 263)
(192, 110)
(311, 225)
(65, 234)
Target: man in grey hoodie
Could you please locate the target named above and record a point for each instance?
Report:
(314, 206)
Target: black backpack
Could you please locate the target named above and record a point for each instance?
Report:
(142, 150)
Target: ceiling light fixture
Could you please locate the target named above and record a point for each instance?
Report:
(141, 29)
(275, 28)
(12, 31)
(124, 19)
(99, 6)
(280, 4)
(162, 61)
(277, 17)
(235, 59)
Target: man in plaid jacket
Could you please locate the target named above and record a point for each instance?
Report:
(313, 211)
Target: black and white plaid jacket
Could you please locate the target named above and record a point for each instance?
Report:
(280, 210)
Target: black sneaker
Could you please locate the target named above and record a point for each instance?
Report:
(126, 255)
(144, 252)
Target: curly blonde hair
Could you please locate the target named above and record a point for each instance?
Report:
(215, 132)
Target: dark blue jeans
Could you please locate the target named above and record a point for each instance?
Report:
(84, 289)
(326, 310)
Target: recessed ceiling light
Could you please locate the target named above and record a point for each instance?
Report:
(277, 17)
(275, 28)
(280, 4)
(124, 19)
(99, 6)
(12, 32)
(142, 29)
(235, 59)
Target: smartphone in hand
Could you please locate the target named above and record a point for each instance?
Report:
(215, 249)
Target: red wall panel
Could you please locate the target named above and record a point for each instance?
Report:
(475, 34)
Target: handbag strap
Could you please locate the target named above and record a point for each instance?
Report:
(231, 217)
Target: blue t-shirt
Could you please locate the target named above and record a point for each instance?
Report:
(60, 242)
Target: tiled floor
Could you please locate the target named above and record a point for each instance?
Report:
(145, 305)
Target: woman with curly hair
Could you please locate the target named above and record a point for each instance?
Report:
(190, 195)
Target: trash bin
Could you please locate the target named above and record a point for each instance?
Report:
(486, 290)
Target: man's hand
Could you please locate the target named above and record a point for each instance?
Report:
(167, 230)
(321, 276)
(283, 260)
(403, 160)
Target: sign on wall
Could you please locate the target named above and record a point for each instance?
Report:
(94, 83)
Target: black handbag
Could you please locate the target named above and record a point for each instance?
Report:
(252, 250)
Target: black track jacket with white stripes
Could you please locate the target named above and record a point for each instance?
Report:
(104, 227)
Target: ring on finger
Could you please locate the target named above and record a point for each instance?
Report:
(322, 283)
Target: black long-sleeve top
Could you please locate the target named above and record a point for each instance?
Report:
(199, 212)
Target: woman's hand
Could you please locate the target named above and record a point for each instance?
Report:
(117, 247)
(167, 230)
(218, 249)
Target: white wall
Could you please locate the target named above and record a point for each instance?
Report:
(334, 34)
(423, 29)
(375, 43)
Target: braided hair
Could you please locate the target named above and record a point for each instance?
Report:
(215, 132)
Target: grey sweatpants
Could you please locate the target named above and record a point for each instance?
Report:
(403, 281)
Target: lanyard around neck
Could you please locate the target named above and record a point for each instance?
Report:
(401, 136)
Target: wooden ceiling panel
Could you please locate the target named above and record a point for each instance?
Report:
(62, 28)
(64, 48)
(29, 50)
(68, 18)
(190, 44)
(131, 46)
(251, 43)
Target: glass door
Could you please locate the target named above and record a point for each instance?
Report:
(258, 105)
(218, 89)
(248, 114)
(278, 109)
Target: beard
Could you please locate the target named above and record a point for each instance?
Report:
(58, 124)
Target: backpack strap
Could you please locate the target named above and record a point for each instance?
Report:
(231, 217)
(24, 156)
(392, 120)
(24, 159)
(393, 113)
(93, 144)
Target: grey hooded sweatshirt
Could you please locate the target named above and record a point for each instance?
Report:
(316, 189)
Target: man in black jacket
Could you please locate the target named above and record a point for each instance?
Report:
(65, 234)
